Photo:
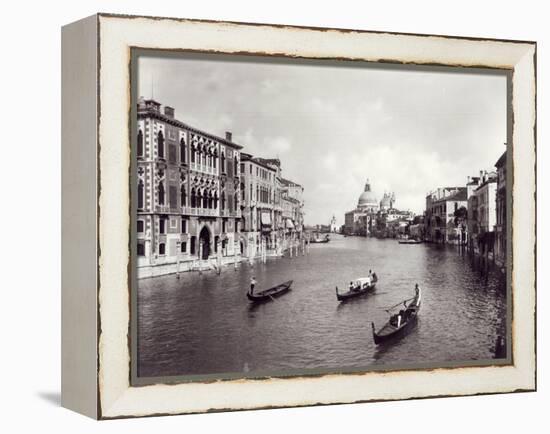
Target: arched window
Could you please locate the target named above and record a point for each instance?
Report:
(210, 200)
(236, 166)
(140, 143)
(161, 193)
(223, 200)
(183, 196)
(160, 139)
(205, 199)
(198, 155)
(215, 200)
(215, 158)
(223, 162)
(183, 151)
(193, 149)
(242, 191)
(236, 201)
(199, 199)
(140, 194)
(204, 156)
(193, 198)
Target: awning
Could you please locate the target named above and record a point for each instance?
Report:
(266, 218)
(289, 224)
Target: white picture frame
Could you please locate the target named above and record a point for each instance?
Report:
(96, 159)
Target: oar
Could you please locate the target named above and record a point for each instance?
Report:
(271, 297)
(395, 305)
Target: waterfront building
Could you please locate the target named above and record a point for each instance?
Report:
(501, 204)
(258, 193)
(362, 220)
(292, 198)
(482, 213)
(442, 205)
(188, 197)
(391, 222)
(471, 213)
(417, 228)
(272, 207)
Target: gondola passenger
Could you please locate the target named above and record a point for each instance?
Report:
(400, 317)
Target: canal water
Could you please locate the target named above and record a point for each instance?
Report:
(204, 324)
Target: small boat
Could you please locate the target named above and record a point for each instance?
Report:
(271, 293)
(361, 286)
(399, 324)
(319, 240)
(411, 241)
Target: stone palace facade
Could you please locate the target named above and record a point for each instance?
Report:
(193, 199)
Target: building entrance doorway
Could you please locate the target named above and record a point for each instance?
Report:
(204, 241)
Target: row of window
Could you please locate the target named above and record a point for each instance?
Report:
(162, 226)
(162, 248)
(198, 199)
(183, 226)
(263, 173)
(198, 155)
(183, 247)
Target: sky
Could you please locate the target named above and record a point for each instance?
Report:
(335, 125)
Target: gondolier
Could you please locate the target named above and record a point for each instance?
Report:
(252, 285)
(401, 323)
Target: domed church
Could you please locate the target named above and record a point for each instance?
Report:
(367, 200)
(362, 220)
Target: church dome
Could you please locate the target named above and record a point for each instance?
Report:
(367, 198)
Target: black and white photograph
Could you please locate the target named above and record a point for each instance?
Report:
(277, 218)
(299, 216)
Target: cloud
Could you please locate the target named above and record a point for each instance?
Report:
(407, 130)
(278, 145)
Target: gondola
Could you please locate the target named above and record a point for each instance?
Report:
(399, 324)
(271, 293)
(319, 241)
(410, 242)
(362, 286)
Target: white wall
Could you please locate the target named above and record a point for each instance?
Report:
(30, 320)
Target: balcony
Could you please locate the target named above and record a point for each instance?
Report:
(162, 209)
(203, 168)
(206, 212)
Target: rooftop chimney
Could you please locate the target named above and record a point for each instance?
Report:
(228, 136)
(169, 111)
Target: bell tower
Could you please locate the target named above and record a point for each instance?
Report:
(333, 224)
